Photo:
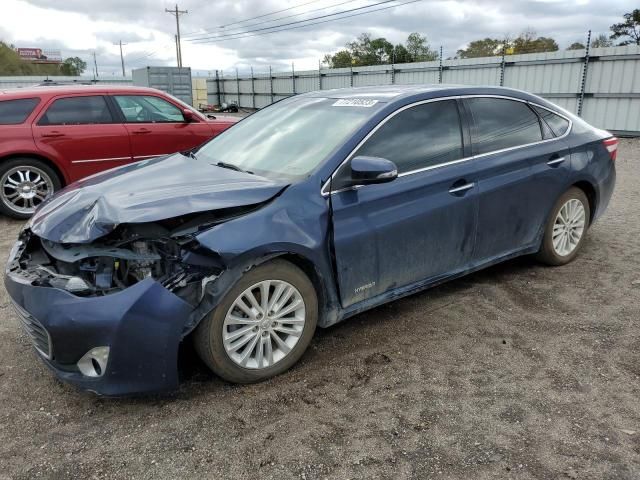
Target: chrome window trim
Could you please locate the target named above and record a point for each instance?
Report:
(101, 160)
(113, 159)
(325, 193)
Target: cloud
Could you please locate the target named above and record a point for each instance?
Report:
(149, 30)
(116, 36)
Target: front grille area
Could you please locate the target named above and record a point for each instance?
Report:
(39, 335)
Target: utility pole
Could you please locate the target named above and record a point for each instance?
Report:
(177, 49)
(177, 14)
(95, 63)
(121, 56)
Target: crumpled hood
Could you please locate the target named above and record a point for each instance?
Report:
(145, 191)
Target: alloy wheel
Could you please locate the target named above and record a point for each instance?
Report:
(263, 324)
(24, 188)
(568, 227)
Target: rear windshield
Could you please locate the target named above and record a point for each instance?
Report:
(13, 112)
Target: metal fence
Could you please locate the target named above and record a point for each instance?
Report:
(602, 85)
(29, 81)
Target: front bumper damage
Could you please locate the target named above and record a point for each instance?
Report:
(141, 327)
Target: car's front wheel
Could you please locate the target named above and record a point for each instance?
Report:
(24, 184)
(566, 228)
(262, 326)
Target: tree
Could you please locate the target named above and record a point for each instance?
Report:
(381, 51)
(488, 47)
(629, 30)
(528, 42)
(418, 48)
(365, 50)
(401, 54)
(601, 41)
(576, 46)
(342, 59)
(73, 66)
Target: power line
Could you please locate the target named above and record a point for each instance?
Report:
(274, 19)
(268, 14)
(146, 55)
(152, 53)
(177, 14)
(197, 40)
(279, 29)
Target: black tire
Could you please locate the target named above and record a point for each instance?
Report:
(547, 253)
(208, 336)
(5, 166)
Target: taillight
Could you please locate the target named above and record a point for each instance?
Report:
(611, 144)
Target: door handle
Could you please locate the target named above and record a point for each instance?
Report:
(142, 130)
(554, 162)
(459, 190)
(53, 134)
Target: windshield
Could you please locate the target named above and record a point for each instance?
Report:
(289, 139)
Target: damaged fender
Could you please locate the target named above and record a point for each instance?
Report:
(273, 231)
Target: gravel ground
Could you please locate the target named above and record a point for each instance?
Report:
(519, 371)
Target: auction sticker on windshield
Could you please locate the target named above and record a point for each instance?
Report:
(355, 102)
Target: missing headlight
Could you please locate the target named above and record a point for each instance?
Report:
(130, 255)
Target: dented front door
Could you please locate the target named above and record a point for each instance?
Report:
(418, 227)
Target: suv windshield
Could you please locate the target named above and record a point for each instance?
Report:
(290, 138)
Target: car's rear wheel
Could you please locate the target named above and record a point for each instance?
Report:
(566, 228)
(262, 326)
(24, 184)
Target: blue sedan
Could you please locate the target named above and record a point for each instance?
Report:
(303, 214)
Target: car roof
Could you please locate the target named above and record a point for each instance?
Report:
(50, 90)
(391, 93)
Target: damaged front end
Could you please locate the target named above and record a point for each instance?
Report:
(128, 255)
(108, 316)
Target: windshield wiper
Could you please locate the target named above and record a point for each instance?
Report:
(231, 166)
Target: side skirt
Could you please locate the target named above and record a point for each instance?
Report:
(407, 290)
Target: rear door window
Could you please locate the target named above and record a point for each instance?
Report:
(14, 112)
(501, 123)
(77, 111)
(557, 124)
(148, 109)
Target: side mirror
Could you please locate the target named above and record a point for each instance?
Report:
(370, 170)
(188, 115)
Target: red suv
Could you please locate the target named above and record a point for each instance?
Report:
(52, 136)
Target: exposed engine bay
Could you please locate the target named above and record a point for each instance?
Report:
(165, 251)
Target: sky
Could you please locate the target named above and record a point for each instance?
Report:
(81, 27)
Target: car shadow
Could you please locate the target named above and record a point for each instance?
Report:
(195, 375)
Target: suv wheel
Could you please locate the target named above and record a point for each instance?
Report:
(24, 184)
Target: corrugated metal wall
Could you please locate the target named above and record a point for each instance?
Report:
(173, 80)
(611, 96)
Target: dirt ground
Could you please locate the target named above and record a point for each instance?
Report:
(520, 371)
